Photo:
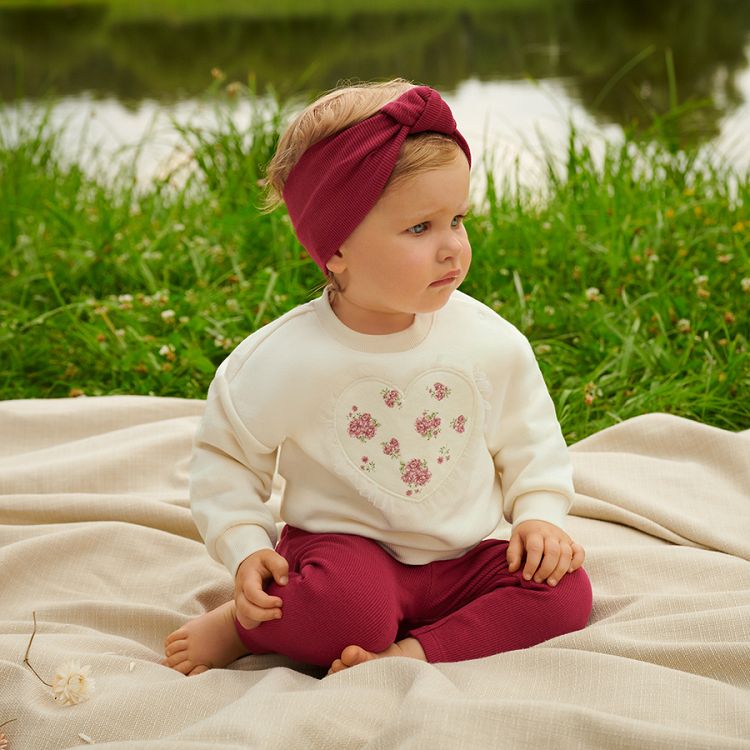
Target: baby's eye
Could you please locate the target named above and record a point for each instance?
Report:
(457, 220)
(418, 228)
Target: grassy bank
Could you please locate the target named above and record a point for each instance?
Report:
(632, 280)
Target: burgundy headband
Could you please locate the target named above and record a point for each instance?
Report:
(338, 180)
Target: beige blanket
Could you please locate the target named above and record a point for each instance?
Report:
(97, 538)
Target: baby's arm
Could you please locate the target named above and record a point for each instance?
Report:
(536, 473)
(230, 482)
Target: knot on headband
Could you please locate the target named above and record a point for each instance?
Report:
(421, 109)
(338, 180)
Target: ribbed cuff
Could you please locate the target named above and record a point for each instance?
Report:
(541, 506)
(429, 642)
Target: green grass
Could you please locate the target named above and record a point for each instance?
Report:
(630, 278)
(190, 10)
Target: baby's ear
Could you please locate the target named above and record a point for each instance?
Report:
(336, 264)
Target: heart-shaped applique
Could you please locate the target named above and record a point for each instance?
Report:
(406, 442)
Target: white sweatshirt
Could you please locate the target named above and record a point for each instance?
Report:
(421, 440)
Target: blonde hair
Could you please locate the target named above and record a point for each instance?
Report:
(339, 109)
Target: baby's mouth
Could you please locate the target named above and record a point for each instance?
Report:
(447, 279)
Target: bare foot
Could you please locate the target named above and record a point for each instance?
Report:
(353, 655)
(207, 642)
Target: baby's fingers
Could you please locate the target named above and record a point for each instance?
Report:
(563, 565)
(250, 614)
(252, 589)
(254, 605)
(534, 552)
(552, 552)
(514, 553)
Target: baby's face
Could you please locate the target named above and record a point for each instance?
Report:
(410, 252)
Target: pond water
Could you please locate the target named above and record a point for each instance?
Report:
(515, 78)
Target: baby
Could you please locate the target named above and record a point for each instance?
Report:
(407, 419)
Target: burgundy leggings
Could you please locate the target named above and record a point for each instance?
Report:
(345, 589)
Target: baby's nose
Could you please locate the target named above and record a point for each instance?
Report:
(451, 246)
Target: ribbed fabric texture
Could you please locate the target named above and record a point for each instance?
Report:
(338, 180)
(346, 590)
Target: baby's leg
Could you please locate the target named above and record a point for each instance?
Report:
(509, 619)
(491, 610)
(208, 641)
(342, 591)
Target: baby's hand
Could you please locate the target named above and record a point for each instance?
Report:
(253, 604)
(550, 552)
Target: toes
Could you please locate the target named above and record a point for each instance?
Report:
(337, 666)
(178, 659)
(177, 635)
(175, 647)
(184, 667)
(180, 662)
(353, 655)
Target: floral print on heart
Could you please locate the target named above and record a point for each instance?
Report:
(459, 423)
(400, 441)
(428, 425)
(362, 425)
(439, 391)
(392, 397)
(392, 448)
(415, 475)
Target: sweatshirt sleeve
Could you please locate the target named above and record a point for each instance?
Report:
(230, 482)
(530, 453)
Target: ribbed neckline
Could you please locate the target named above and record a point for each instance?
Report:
(401, 341)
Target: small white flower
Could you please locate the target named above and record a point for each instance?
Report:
(683, 325)
(593, 294)
(745, 284)
(167, 315)
(72, 683)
